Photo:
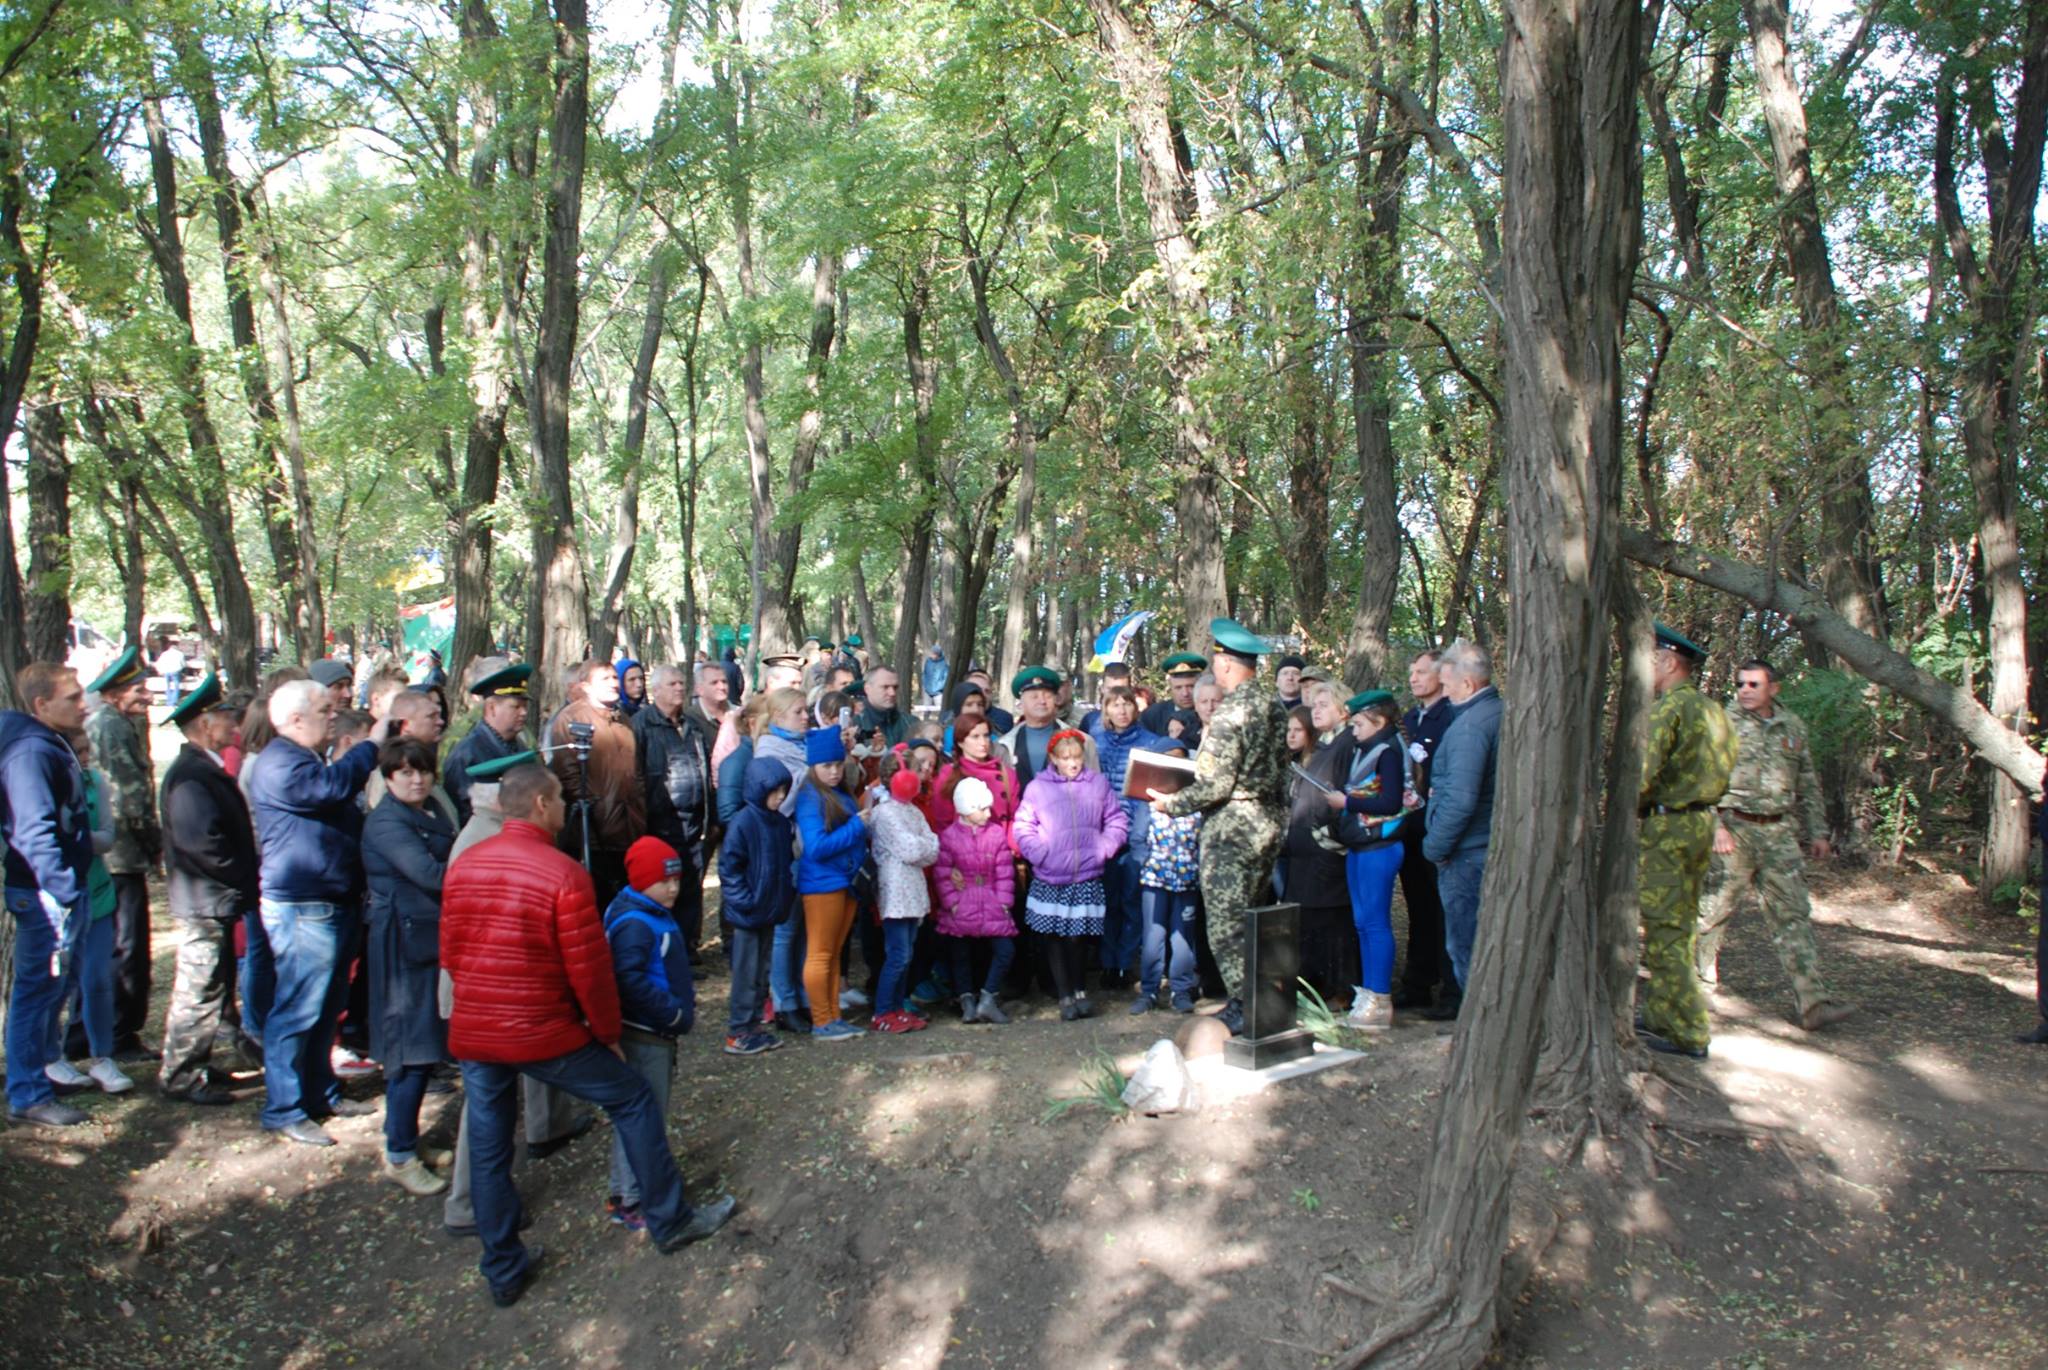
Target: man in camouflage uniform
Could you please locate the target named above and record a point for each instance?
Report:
(1685, 772)
(1240, 786)
(120, 749)
(1772, 804)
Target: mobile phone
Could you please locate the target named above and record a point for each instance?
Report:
(845, 717)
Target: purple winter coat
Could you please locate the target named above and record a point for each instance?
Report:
(1069, 829)
(976, 877)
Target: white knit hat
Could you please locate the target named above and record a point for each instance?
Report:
(971, 794)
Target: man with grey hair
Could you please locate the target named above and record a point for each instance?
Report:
(309, 832)
(1460, 815)
(673, 752)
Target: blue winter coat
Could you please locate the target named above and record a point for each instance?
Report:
(309, 827)
(829, 860)
(755, 881)
(42, 812)
(732, 781)
(657, 993)
(1114, 749)
(1461, 779)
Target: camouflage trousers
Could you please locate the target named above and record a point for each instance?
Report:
(206, 968)
(1672, 868)
(1240, 843)
(1766, 858)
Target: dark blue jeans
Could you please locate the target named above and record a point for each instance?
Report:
(309, 941)
(1457, 882)
(257, 981)
(1166, 925)
(899, 935)
(37, 995)
(749, 953)
(960, 963)
(590, 1073)
(1123, 919)
(405, 1089)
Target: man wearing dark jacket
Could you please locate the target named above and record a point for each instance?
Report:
(674, 756)
(1429, 964)
(309, 828)
(533, 993)
(1460, 815)
(49, 849)
(213, 876)
(605, 777)
(500, 690)
(881, 714)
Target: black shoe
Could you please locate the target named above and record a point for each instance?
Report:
(48, 1113)
(1657, 1042)
(305, 1132)
(540, 1151)
(351, 1108)
(467, 1231)
(135, 1053)
(1141, 1006)
(1082, 1008)
(2038, 1037)
(1069, 1012)
(1232, 1016)
(1445, 1010)
(516, 1290)
(794, 1020)
(706, 1220)
(1410, 998)
(205, 1095)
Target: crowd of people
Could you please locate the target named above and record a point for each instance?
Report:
(358, 893)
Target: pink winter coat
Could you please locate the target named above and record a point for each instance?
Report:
(976, 877)
(1069, 829)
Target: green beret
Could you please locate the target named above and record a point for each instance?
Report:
(123, 671)
(207, 696)
(1365, 699)
(509, 683)
(853, 639)
(1233, 637)
(1680, 643)
(1034, 678)
(857, 689)
(1185, 663)
(497, 766)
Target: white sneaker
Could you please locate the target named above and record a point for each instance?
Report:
(851, 998)
(67, 1076)
(108, 1077)
(1370, 1012)
(348, 1065)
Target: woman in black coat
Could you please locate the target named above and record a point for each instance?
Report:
(406, 840)
(1312, 866)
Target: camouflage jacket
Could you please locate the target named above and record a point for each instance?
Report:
(1774, 773)
(1691, 750)
(120, 751)
(1243, 755)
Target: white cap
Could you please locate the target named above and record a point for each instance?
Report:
(971, 794)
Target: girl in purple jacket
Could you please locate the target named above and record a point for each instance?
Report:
(1068, 827)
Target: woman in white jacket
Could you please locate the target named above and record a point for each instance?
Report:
(903, 846)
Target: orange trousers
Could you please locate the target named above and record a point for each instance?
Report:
(828, 918)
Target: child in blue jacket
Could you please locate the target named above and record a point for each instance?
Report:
(657, 995)
(758, 891)
(835, 845)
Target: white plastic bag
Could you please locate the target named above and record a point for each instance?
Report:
(1161, 1083)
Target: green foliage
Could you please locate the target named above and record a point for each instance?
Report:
(1324, 1023)
(1837, 708)
(1102, 1088)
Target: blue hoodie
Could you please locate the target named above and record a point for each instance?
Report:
(42, 812)
(656, 991)
(754, 878)
(628, 705)
(830, 859)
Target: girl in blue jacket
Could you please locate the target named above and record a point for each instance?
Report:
(833, 845)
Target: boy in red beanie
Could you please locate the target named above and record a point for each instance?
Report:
(657, 993)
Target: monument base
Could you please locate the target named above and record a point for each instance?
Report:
(1257, 1053)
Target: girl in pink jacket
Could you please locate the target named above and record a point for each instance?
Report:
(1068, 827)
(976, 879)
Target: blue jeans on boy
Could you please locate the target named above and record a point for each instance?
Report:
(1457, 883)
(1123, 921)
(90, 995)
(1369, 876)
(37, 995)
(1166, 925)
(748, 953)
(786, 966)
(256, 982)
(899, 935)
(654, 1062)
(308, 941)
(405, 1089)
(590, 1073)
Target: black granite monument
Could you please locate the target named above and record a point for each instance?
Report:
(1272, 968)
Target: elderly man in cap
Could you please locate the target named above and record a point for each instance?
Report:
(1287, 680)
(120, 748)
(1037, 690)
(213, 875)
(1174, 716)
(1241, 786)
(500, 691)
(1686, 764)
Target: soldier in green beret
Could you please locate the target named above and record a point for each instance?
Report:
(1241, 788)
(119, 730)
(501, 691)
(1685, 772)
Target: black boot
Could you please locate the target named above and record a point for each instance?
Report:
(1445, 1010)
(1232, 1017)
(2037, 1038)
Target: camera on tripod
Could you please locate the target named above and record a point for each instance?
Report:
(580, 737)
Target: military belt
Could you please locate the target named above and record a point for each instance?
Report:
(1755, 817)
(1668, 809)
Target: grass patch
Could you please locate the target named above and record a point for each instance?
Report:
(1324, 1023)
(1102, 1087)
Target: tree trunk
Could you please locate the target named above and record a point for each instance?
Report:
(787, 540)
(558, 605)
(1308, 494)
(49, 534)
(2002, 313)
(1023, 583)
(134, 571)
(626, 521)
(27, 278)
(686, 483)
(923, 368)
(310, 620)
(1571, 181)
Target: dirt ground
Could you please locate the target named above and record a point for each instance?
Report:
(1870, 1196)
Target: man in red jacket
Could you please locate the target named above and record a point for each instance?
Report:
(533, 993)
